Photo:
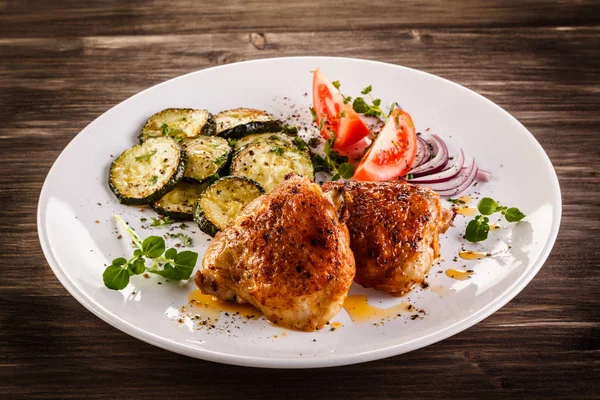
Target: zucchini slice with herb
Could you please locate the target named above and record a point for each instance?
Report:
(268, 163)
(239, 122)
(179, 123)
(222, 201)
(179, 202)
(147, 171)
(206, 155)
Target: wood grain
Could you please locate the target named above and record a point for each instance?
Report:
(64, 63)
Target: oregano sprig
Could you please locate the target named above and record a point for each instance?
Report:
(152, 250)
(479, 227)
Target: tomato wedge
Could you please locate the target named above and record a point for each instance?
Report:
(393, 151)
(333, 116)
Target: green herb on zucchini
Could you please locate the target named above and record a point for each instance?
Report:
(145, 157)
(153, 179)
(169, 263)
(172, 131)
(479, 227)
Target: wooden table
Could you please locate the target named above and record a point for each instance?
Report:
(63, 63)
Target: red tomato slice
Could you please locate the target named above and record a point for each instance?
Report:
(339, 118)
(393, 151)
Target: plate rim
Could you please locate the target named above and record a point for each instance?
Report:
(295, 362)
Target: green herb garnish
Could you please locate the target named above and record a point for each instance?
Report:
(313, 113)
(153, 179)
(333, 162)
(162, 221)
(167, 263)
(145, 157)
(185, 240)
(362, 107)
(221, 159)
(479, 227)
(278, 150)
(314, 141)
(173, 131)
(336, 84)
(300, 143)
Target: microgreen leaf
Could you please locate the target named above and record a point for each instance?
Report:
(119, 261)
(137, 267)
(367, 90)
(115, 277)
(360, 106)
(336, 84)
(346, 170)
(513, 214)
(171, 253)
(153, 246)
(487, 206)
(477, 229)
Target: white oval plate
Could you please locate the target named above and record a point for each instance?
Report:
(79, 237)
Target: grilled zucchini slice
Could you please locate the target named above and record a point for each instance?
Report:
(147, 171)
(222, 201)
(268, 163)
(207, 155)
(179, 123)
(179, 202)
(239, 122)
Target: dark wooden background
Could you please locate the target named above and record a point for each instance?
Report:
(63, 63)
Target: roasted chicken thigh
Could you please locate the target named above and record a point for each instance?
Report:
(394, 231)
(287, 254)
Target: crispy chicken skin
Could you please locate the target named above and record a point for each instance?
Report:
(394, 231)
(287, 254)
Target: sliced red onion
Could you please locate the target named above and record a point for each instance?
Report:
(446, 175)
(483, 176)
(457, 181)
(423, 152)
(464, 181)
(438, 163)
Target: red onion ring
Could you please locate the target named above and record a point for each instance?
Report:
(423, 152)
(483, 176)
(460, 183)
(446, 175)
(438, 163)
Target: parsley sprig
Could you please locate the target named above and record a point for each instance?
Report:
(169, 263)
(333, 162)
(479, 227)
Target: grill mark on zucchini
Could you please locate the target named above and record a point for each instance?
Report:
(179, 123)
(147, 171)
(179, 202)
(207, 156)
(268, 163)
(222, 201)
(239, 122)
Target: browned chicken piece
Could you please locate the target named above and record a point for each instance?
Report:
(286, 254)
(394, 231)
